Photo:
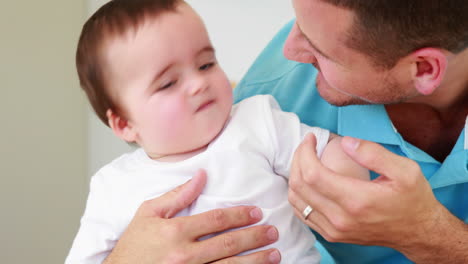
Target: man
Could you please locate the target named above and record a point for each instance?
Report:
(397, 70)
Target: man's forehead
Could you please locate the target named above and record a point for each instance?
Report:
(326, 27)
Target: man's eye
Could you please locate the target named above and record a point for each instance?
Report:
(167, 85)
(207, 66)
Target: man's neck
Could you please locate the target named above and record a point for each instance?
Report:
(433, 123)
(426, 128)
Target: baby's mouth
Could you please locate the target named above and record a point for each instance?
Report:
(205, 105)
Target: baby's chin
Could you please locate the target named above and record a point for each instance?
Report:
(211, 135)
(186, 153)
(178, 156)
(196, 144)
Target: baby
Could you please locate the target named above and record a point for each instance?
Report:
(150, 72)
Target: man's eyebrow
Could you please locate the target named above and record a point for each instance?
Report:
(314, 46)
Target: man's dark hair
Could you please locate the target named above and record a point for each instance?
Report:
(388, 30)
(113, 19)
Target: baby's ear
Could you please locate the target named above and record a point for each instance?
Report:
(429, 69)
(122, 127)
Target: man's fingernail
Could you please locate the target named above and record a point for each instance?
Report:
(256, 213)
(274, 257)
(272, 234)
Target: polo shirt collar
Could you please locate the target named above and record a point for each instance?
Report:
(372, 123)
(363, 121)
(455, 165)
(466, 133)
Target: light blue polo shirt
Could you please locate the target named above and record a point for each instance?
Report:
(293, 85)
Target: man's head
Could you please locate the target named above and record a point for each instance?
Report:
(150, 72)
(390, 45)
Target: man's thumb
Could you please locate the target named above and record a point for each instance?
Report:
(172, 202)
(373, 156)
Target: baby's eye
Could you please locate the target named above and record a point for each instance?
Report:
(167, 85)
(207, 66)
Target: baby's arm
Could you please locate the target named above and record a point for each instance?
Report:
(97, 234)
(334, 158)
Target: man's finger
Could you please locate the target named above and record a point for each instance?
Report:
(375, 157)
(318, 202)
(169, 204)
(235, 242)
(269, 256)
(219, 220)
(308, 174)
(309, 144)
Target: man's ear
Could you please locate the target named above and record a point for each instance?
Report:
(428, 69)
(121, 126)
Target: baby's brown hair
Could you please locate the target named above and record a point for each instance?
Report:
(112, 20)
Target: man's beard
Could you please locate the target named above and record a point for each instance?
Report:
(390, 93)
(335, 97)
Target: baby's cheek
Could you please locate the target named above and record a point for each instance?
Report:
(174, 118)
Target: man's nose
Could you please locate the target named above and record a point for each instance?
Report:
(297, 48)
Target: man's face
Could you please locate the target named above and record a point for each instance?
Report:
(345, 76)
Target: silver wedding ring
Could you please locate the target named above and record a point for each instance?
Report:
(307, 212)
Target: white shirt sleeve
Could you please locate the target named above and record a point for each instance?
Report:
(286, 133)
(97, 234)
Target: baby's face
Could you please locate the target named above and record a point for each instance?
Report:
(166, 78)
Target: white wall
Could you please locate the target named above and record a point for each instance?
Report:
(43, 128)
(239, 30)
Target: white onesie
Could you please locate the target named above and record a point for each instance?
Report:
(247, 164)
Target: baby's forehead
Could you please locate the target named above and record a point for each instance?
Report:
(124, 21)
(174, 21)
(129, 27)
(157, 35)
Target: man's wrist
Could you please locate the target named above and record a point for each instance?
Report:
(443, 239)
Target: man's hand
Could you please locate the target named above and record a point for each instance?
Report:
(398, 209)
(154, 237)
